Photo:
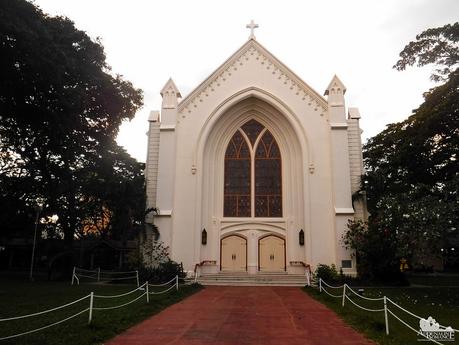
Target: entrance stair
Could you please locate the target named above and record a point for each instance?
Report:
(259, 279)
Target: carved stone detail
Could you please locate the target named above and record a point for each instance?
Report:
(252, 51)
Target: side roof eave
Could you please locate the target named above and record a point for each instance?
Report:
(233, 58)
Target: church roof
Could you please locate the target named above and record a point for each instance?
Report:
(252, 46)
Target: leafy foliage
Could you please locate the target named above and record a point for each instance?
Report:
(412, 173)
(60, 110)
(154, 263)
(327, 273)
(433, 46)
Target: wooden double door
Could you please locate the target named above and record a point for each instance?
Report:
(271, 254)
(234, 254)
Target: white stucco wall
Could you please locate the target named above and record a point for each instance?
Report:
(315, 162)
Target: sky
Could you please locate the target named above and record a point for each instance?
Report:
(149, 41)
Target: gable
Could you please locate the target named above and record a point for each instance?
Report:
(253, 49)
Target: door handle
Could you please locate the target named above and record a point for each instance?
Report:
(233, 257)
(271, 257)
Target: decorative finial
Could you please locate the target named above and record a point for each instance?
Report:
(252, 26)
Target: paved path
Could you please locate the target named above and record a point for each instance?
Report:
(244, 315)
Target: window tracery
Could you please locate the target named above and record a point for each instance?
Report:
(253, 160)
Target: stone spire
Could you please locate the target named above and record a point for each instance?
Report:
(335, 92)
(170, 94)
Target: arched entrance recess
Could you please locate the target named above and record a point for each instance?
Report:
(233, 254)
(290, 215)
(271, 254)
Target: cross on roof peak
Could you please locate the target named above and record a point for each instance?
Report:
(252, 26)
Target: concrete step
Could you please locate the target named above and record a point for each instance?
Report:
(260, 279)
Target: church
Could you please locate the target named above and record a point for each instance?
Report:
(254, 171)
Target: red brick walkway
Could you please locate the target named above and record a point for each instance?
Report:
(244, 315)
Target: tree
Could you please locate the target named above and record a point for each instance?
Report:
(438, 46)
(412, 173)
(60, 110)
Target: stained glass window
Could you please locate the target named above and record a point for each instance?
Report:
(268, 174)
(268, 178)
(253, 129)
(237, 178)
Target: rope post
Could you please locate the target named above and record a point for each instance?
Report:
(91, 305)
(148, 293)
(73, 274)
(320, 285)
(137, 277)
(344, 295)
(98, 274)
(385, 315)
(176, 282)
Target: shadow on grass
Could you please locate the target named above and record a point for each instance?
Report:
(438, 303)
(24, 298)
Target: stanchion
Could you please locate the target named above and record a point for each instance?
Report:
(385, 315)
(176, 282)
(137, 276)
(320, 285)
(344, 295)
(91, 305)
(73, 274)
(147, 292)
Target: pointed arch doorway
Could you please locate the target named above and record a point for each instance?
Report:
(233, 254)
(271, 254)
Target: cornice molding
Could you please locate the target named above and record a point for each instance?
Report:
(253, 50)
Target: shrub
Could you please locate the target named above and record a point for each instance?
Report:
(327, 273)
(161, 273)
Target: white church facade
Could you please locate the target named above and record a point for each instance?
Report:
(254, 171)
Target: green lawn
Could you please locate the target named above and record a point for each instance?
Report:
(442, 303)
(20, 298)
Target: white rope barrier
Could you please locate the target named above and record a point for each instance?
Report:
(91, 308)
(170, 281)
(359, 306)
(45, 327)
(367, 298)
(85, 276)
(385, 309)
(161, 292)
(113, 272)
(407, 325)
(120, 278)
(121, 305)
(102, 275)
(85, 270)
(123, 294)
(330, 294)
(414, 315)
(331, 286)
(44, 311)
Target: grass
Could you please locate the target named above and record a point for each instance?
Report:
(442, 303)
(20, 298)
(434, 279)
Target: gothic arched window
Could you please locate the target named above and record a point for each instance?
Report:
(253, 173)
(237, 178)
(268, 178)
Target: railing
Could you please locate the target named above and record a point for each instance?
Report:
(307, 270)
(386, 307)
(100, 275)
(198, 266)
(144, 289)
